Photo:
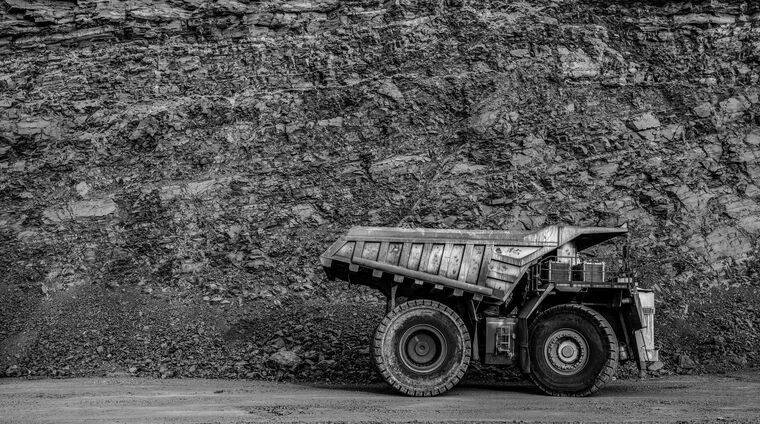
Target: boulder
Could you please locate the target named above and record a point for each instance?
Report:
(603, 170)
(645, 121)
(398, 165)
(389, 89)
(577, 64)
(753, 138)
(81, 209)
(704, 18)
(734, 105)
(685, 362)
(693, 201)
(484, 119)
(82, 189)
(672, 132)
(306, 212)
(92, 208)
(285, 358)
(703, 110)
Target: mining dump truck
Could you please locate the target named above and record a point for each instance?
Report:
(532, 300)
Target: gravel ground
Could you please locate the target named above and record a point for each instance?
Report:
(676, 399)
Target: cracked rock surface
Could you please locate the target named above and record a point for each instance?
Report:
(170, 171)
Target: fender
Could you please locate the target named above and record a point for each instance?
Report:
(522, 326)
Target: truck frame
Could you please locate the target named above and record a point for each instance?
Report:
(530, 300)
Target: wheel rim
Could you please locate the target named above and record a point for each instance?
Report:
(422, 348)
(566, 351)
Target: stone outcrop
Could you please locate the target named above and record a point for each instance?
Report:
(203, 154)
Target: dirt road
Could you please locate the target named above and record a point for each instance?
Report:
(733, 398)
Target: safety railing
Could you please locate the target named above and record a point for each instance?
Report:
(583, 271)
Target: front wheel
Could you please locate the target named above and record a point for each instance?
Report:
(422, 348)
(573, 351)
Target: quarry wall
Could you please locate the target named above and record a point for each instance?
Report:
(170, 171)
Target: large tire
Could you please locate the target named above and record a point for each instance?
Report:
(573, 351)
(422, 348)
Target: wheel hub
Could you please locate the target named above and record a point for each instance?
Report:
(422, 348)
(566, 351)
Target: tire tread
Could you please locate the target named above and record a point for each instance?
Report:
(610, 339)
(379, 361)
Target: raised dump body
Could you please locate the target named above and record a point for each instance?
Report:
(484, 262)
(526, 299)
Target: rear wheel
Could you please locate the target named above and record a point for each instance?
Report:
(422, 348)
(573, 351)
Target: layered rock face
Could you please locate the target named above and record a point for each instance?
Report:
(170, 171)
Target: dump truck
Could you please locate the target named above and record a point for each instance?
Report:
(535, 300)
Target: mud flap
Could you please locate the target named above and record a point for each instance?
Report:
(648, 355)
(522, 327)
(522, 335)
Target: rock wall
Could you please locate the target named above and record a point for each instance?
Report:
(172, 170)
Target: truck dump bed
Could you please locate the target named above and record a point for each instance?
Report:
(483, 263)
